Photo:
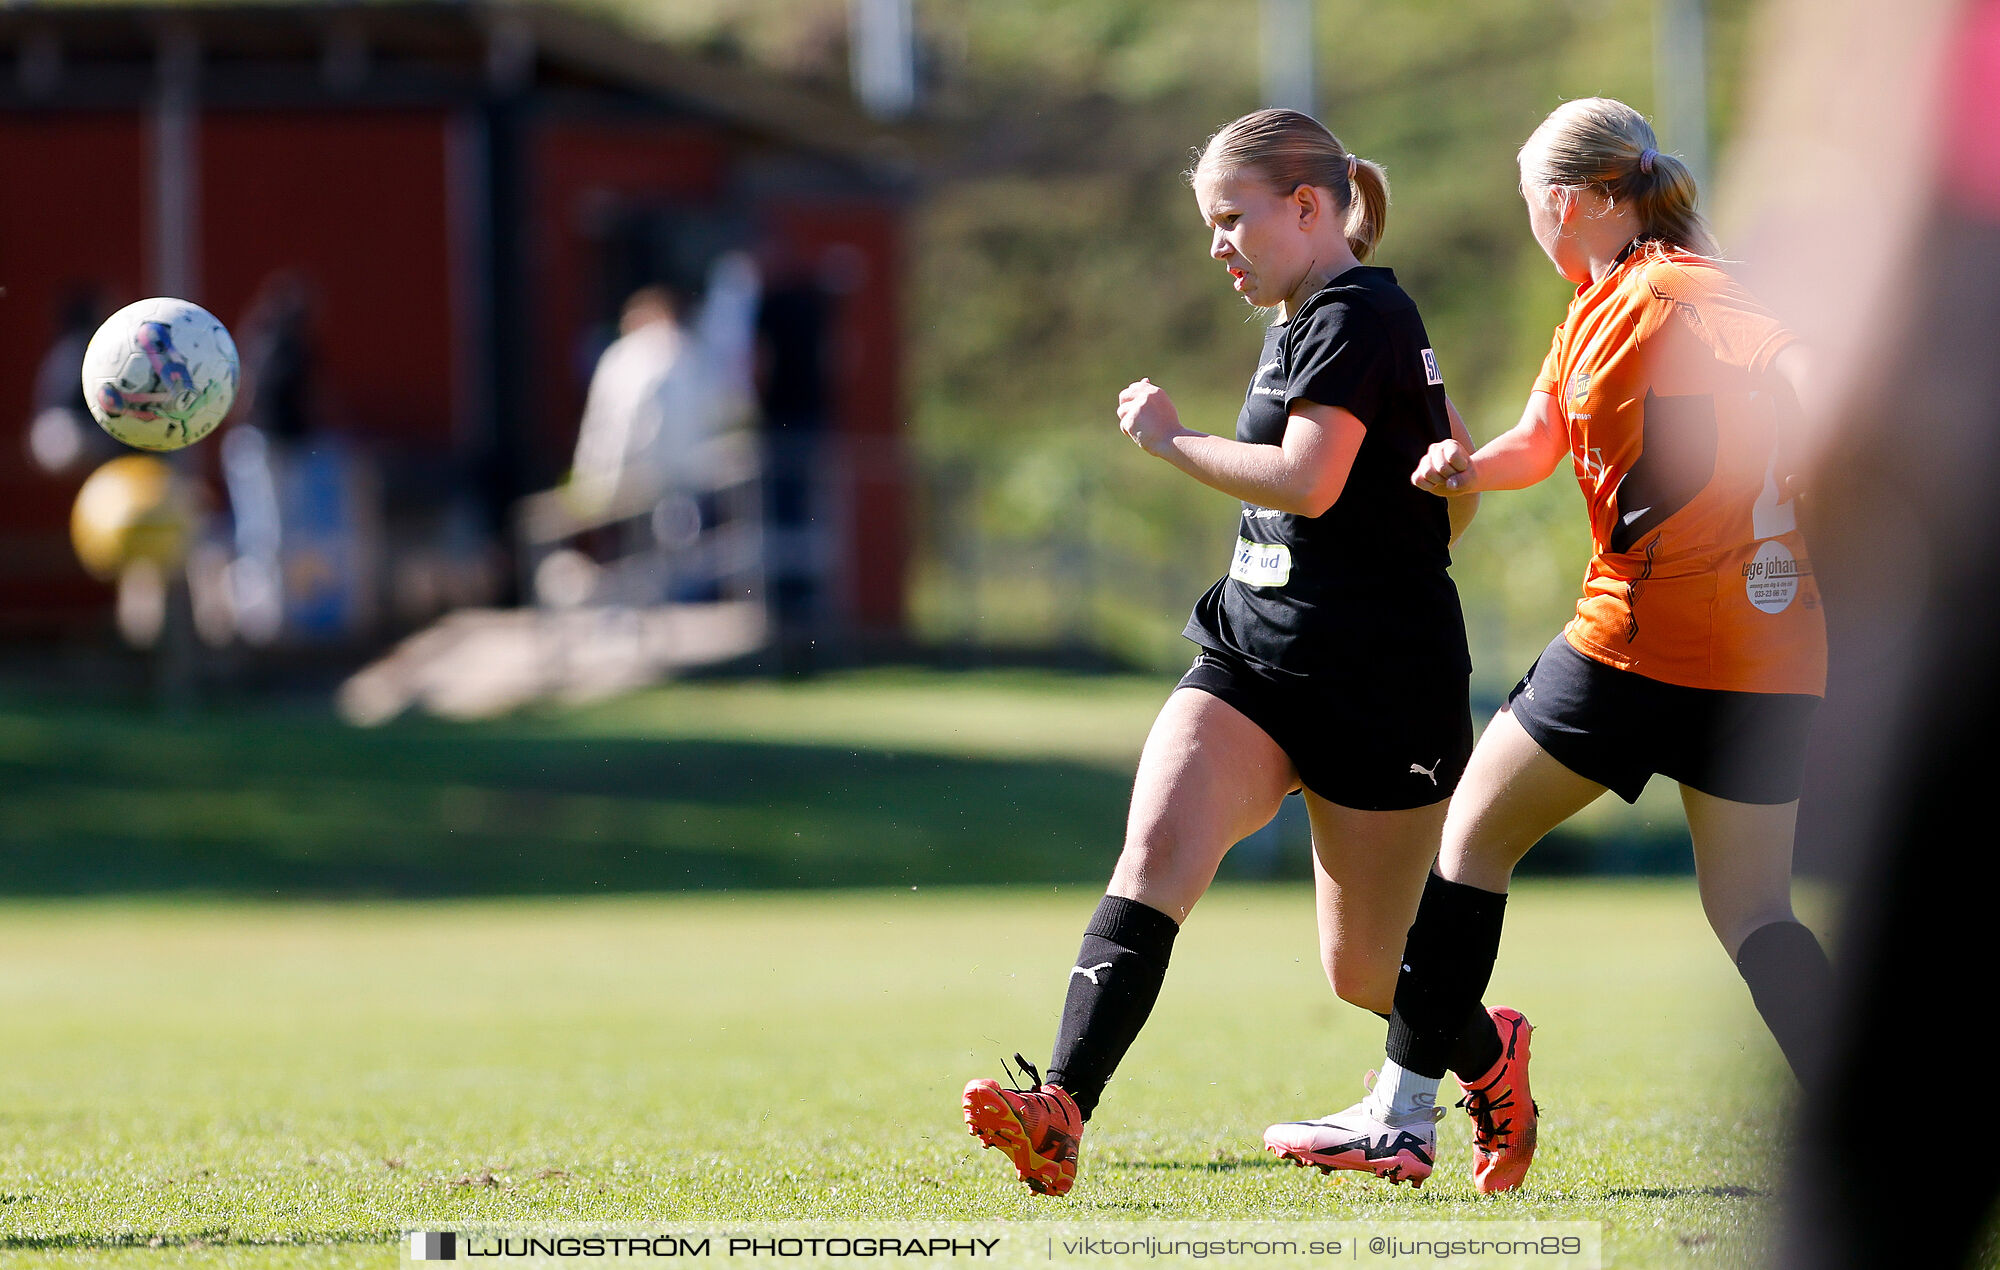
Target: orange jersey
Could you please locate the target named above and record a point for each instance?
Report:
(1662, 375)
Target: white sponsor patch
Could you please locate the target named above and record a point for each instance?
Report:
(1432, 375)
(1261, 563)
(1771, 578)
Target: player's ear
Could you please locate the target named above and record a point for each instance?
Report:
(1305, 201)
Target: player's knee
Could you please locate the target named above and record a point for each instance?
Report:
(1733, 924)
(1156, 860)
(1155, 843)
(1363, 981)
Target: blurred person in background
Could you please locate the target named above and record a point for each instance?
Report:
(1333, 658)
(278, 358)
(645, 408)
(273, 418)
(1873, 219)
(1698, 649)
(660, 462)
(305, 499)
(62, 436)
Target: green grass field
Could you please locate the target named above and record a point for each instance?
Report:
(192, 1073)
(278, 1085)
(858, 778)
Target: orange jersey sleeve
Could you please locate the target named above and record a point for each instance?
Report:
(1549, 376)
(1722, 316)
(1662, 372)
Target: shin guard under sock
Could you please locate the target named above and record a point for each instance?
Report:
(1112, 988)
(1446, 965)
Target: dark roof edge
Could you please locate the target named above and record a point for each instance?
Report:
(759, 102)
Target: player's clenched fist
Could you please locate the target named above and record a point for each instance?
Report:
(1147, 415)
(1446, 468)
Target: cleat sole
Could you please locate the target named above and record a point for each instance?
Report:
(1395, 1171)
(989, 1119)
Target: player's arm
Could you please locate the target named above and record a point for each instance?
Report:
(1302, 475)
(1517, 458)
(1801, 425)
(1460, 507)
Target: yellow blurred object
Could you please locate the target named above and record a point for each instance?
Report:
(131, 509)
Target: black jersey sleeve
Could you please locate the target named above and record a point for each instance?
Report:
(1338, 357)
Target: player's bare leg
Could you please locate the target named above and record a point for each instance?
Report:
(1368, 873)
(1743, 864)
(1511, 795)
(1208, 777)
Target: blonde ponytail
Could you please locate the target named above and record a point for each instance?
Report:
(1367, 207)
(1607, 147)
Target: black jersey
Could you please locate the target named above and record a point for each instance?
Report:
(1365, 583)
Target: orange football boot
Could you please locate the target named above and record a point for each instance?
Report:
(1038, 1128)
(1504, 1115)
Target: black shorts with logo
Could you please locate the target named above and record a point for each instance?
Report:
(1618, 728)
(1387, 743)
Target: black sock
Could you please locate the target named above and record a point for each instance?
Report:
(1477, 1047)
(1446, 964)
(1792, 985)
(1111, 991)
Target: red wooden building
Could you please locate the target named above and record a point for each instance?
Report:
(466, 191)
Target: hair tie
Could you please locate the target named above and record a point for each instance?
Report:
(1646, 158)
(1353, 165)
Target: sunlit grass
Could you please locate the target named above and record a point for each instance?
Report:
(238, 1074)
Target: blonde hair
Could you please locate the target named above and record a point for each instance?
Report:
(1288, 149)
(1606, 147)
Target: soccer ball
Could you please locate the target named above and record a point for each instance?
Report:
(160, 374)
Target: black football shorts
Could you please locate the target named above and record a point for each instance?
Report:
(1618, 728)
(1368, 740)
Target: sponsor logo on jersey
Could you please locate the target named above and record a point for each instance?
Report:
(1432, 375)
(1771, 577)
(1261, 563)
(1592, 463)
(1579, 389)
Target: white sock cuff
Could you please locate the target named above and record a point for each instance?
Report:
(1400, 1092)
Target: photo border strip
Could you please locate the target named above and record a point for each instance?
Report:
(1268, 1245)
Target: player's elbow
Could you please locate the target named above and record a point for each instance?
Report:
(1315, 496)
(1314, 505)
